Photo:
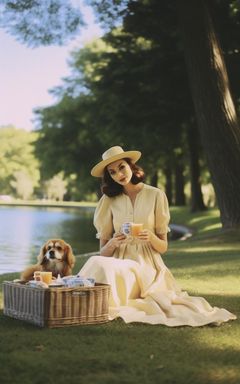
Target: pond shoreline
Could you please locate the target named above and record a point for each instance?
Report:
(44, 204)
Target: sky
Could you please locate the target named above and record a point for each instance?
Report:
(27, 74)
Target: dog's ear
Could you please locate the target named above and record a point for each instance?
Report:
(70, 258)
(41, 257)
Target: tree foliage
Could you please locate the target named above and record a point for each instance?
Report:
(123, 89)
(131, 88)
(56, 187)
(40, 22)
(217, 121)
(23, 185)
(17, 157)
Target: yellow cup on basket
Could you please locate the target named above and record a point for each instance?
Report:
(46, 277)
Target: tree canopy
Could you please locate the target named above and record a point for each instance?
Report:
(124, 88)
(40, 22)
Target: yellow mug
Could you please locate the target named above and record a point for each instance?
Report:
(46, 277)
(131, 229)
(136, 228)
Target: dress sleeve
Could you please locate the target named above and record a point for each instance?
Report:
(162, 214)
(103, 220)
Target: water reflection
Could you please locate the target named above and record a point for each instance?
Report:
(23, 230)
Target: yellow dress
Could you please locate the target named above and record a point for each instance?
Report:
(142, 287)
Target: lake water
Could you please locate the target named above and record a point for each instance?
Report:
(23, 230)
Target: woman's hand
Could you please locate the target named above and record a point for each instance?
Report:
(145, 235)
(158, 242)
(117, 239)
(107, 248)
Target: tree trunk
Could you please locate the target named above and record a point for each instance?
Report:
(154, 179)
(215, 111)
(197, 203)
(179, 183)
(169, 192)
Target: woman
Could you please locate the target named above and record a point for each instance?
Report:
(142, 287)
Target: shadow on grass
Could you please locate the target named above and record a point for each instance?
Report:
(193, 259)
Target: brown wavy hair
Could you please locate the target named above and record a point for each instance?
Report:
(111, 188)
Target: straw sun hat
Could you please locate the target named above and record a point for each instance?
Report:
(111, 155)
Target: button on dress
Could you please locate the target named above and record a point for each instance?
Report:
(142, 288)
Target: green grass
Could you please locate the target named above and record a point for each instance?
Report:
(207, 265)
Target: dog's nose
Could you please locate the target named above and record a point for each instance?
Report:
(51, 254)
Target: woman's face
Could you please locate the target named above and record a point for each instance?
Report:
(120, 172)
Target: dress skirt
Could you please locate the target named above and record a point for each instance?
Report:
(140, 294)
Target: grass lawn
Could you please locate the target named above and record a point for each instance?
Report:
(207, 264)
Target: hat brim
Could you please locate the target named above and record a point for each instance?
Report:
(98, 170)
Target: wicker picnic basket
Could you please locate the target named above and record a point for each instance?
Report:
(56, 307)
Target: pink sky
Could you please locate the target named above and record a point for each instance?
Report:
(27, 74)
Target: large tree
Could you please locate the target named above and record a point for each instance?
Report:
(148, 73)
(214, 107)
(215, 111)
